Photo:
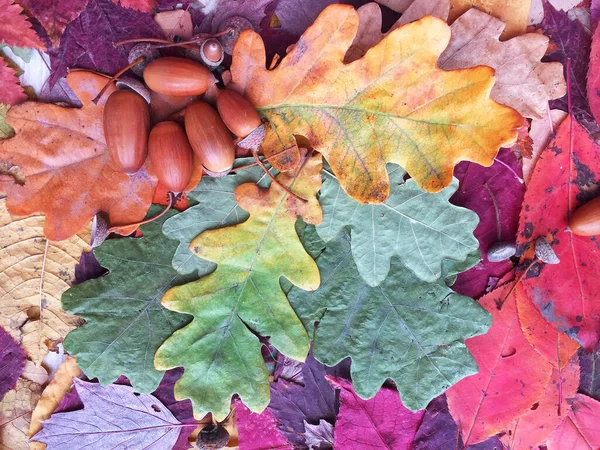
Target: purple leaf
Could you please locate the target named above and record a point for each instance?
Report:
(258, 431)
(59, 93)
(292, 404)
(439, 432)
(477, 186)
(589, 379)
(88, 41)
(288, 369)
(318, 436)
(572, 42)
(12, 362)
(113, 416)
(595, 13)
(88, 267)
(381, 422)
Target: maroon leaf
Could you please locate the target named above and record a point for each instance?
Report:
(381, 422)
(293, 404)
(88, 40)
(112, 417)
(571, 41)
(439, 432)
(88, 268)
(54, 15)
(479, 187)
(258, 431)
(12, 362)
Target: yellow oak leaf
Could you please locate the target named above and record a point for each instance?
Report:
(218, 349)
(393, 105)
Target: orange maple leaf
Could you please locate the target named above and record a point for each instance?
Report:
(394, 105)
(69, 174)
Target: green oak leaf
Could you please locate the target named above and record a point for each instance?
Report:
(405, 329)
(215, 208)
(126, 322)
(421, 228)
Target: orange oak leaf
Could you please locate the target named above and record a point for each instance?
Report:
(11, 92)
(394, 105)
(513, 12)
(69, 174)
(523, 82)
(14, 28)
(512, 375)
(581, 429)
(556, 347)
(533, 427)
(566, 176)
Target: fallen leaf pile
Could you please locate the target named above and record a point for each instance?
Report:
(398, 272)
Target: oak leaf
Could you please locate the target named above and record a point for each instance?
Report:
(54, 15)
(219, 351)
(34, 272)
(15, 30)
(513, 12)
(125, 322)
(393, 105)
(69, 174)
(522, 81)
(405, 329)
(568, 294)
(422, 229)
(508, 366)
(580, 429)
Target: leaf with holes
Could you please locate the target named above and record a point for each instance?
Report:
(420, 228)
(405, 329)
(219, 350)
(394, 105)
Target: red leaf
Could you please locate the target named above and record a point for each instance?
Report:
(54, 15)
(566, 176)
(258, 431)
(14, 28)
(581, 428)
(138, 5)
(11, 91)
(381, 422)
(512, 375)
(533, 427)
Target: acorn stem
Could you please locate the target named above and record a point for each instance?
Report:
(268, 158)
(115, 77)
(166, 43)
(496, 209)
(273, 179)
(119, 228)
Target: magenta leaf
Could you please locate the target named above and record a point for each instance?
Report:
(258, 431)
(295, 404)
(88, 41)
(12, 362)
(381, 422)
(113, 416)
(478, 188)
(589, 379)
(572, 41)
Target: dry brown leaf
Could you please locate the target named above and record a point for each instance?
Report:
(522, 81)
(513, 12)
(175, 23)
(34, 272)
(51, 397)
(541, 132)
(15, 414)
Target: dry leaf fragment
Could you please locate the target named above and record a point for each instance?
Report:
(541, 132)
(513, 12)
(15, 414)
(522, 81)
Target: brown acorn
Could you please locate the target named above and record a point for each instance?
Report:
(126, 127)
(237, 112)
(177, 76)
(586, 220)
(171, 155)
(209, 138)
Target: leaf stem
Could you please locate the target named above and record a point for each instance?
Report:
(120, 229)
(274, 180)
(496, 209)
(268, 158)
(116, 77)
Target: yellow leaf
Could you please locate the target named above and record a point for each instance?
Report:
(394, 105)
(513, 12)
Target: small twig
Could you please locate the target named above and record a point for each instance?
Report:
(273, 179)
(115, 77)
(268, 158)
(496, 209)
(166, 43)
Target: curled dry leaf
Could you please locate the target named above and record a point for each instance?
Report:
(522, 81)
(69, 173)
(34, 272)
(313, 94)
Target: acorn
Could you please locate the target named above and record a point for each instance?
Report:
(209, 138)
(237, 112)
(177, 76)
(126, 127)
(212, 437)
(586, 220)
(171, 155)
